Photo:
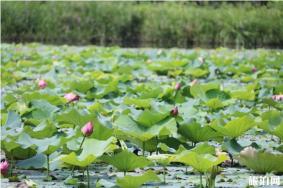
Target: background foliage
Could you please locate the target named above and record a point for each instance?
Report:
(182, 24)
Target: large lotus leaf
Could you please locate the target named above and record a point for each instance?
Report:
(163, 66)
(216, 93)
(43, 130)
(235, 127)
(13, 121)
(163, 159)
(79, 84)
(13, 125)
(74, 160)
(200, 162)
(105, 89)
(36, 95)
(261, 161)
(197, 72)
(126, 161)
(149, 117)
(232, 146)
(91, 150)
(129, 127)
(39, 161)
(137, 181)
(199, 90)
(74, 117)
(46, 145)
(42, 109)
(246, 93)
(9, 143)
(102, 128)
(272, 122)
(148, 90)
(20, 107)
(196, 133)
(140, 103)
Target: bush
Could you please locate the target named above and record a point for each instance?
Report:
(163, 24)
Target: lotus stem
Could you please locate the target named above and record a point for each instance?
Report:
(200, 176)
(157, 145)
(12, 163)
(143, 148)
(88, 180)
(164, 175)
(82, 143)
(47, 156)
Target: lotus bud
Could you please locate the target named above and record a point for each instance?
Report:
(174, 111)
(178, 86)
(71, 97)
(4, 167)
(277, 97)
(248, 152)
(42, 84)
(194, 82)
(254, 69)
(87, 129)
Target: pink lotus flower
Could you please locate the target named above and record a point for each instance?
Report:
(174, 111)
(178, 86)
(71, 97)
(87, 129)
(277, 97)
(4, 167)
(254, 69)
(42, 84)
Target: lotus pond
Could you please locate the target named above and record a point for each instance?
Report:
(112, 117)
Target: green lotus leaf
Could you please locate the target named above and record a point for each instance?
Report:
(91, 150)
(126, 161)
(272, 122)
(163, 159)
(74, 117)
(197, 72)
(200, 162)
(140, 103)
(199, 90)
(38, 161)
(42, 109)
(232, 146)
(261, 161)
(46, 145)
(79, 84)
(163, 66)
(36, 95)
(137, 181)
(127, 126)
(149, 117)
(196, 133)
(20, 107)
(247, 93)
(102, 128)
(74, 160)
(13, 121)
(235, 127)
(43, 130)
(216, 93)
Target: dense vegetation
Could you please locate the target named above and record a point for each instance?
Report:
(140, 116)
(144, 24)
